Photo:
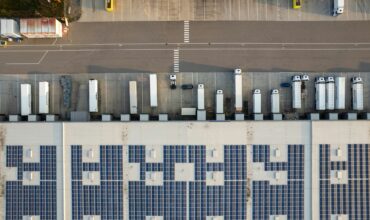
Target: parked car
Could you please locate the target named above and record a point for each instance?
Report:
(285, 85)
(187, 86)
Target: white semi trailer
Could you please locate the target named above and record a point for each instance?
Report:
(93, 95)
(26, 99)
(200, 96)
(275, 101)
(320, 93)
(133, 97)
(340, 93)
(153, 90)
(44, 97)
(357, 94)
(238, 90)
(219, 102)
(330, 99)
(296, 92)
(257, 101)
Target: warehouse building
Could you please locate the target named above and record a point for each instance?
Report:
(185, 170)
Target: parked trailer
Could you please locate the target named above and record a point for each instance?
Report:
(320, 93)
(26, 99)
(330, 99)
(257, 101)
(153, 90)
(275, 101)
(200, 97)
(357, 94)
(219, 102)
(340, 92)
(133, 97)
(44, 97)
(93, 95)
(296, 92)
(238, 90)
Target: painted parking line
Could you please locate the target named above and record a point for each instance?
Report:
(176, 61)
(186, 32)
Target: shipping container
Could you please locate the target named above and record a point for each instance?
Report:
(153, 90)
(26, 99)
(93, 95)
(296, 92)
(9, 28)
(41, 28)
(44, 97)
(340, 92)
(357, 94)
(219, 102)
(320, 93)
(200, 97)
(238, 90)
(133, 97)
(275, 101)
(330, 93)
(257, 101)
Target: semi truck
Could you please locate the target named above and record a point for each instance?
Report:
(153, 90)
(200, 96)
(26, 99)
(257, 101)
(238, 90)
(357, 94)
(330, 99)
(219, 102)
(93, 95)
(320, 93)
(340, 93)
(338, 7)
(133, 97)
(275, 101)
(44, 97)
(296, 92)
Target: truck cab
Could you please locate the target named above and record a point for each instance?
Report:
(320, 79)
(296, 78)
(330, 79)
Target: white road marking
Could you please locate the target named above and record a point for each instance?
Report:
(186, 32)
(41, 59)
(176, 61)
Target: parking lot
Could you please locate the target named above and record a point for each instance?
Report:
(202, 10)
(114, 93)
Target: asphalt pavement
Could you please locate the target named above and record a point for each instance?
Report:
(213, 47)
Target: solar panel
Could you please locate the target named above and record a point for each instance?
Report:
(351, 199)
(106, 198)
(287, 199)
(190, 199)
(39, 200)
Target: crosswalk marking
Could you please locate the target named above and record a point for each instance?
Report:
(186, 32)
(176, 61)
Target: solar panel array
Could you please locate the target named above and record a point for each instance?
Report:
(39, 200)
(106, 199)
(353, 198)
(190, 199)
(279, 199)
